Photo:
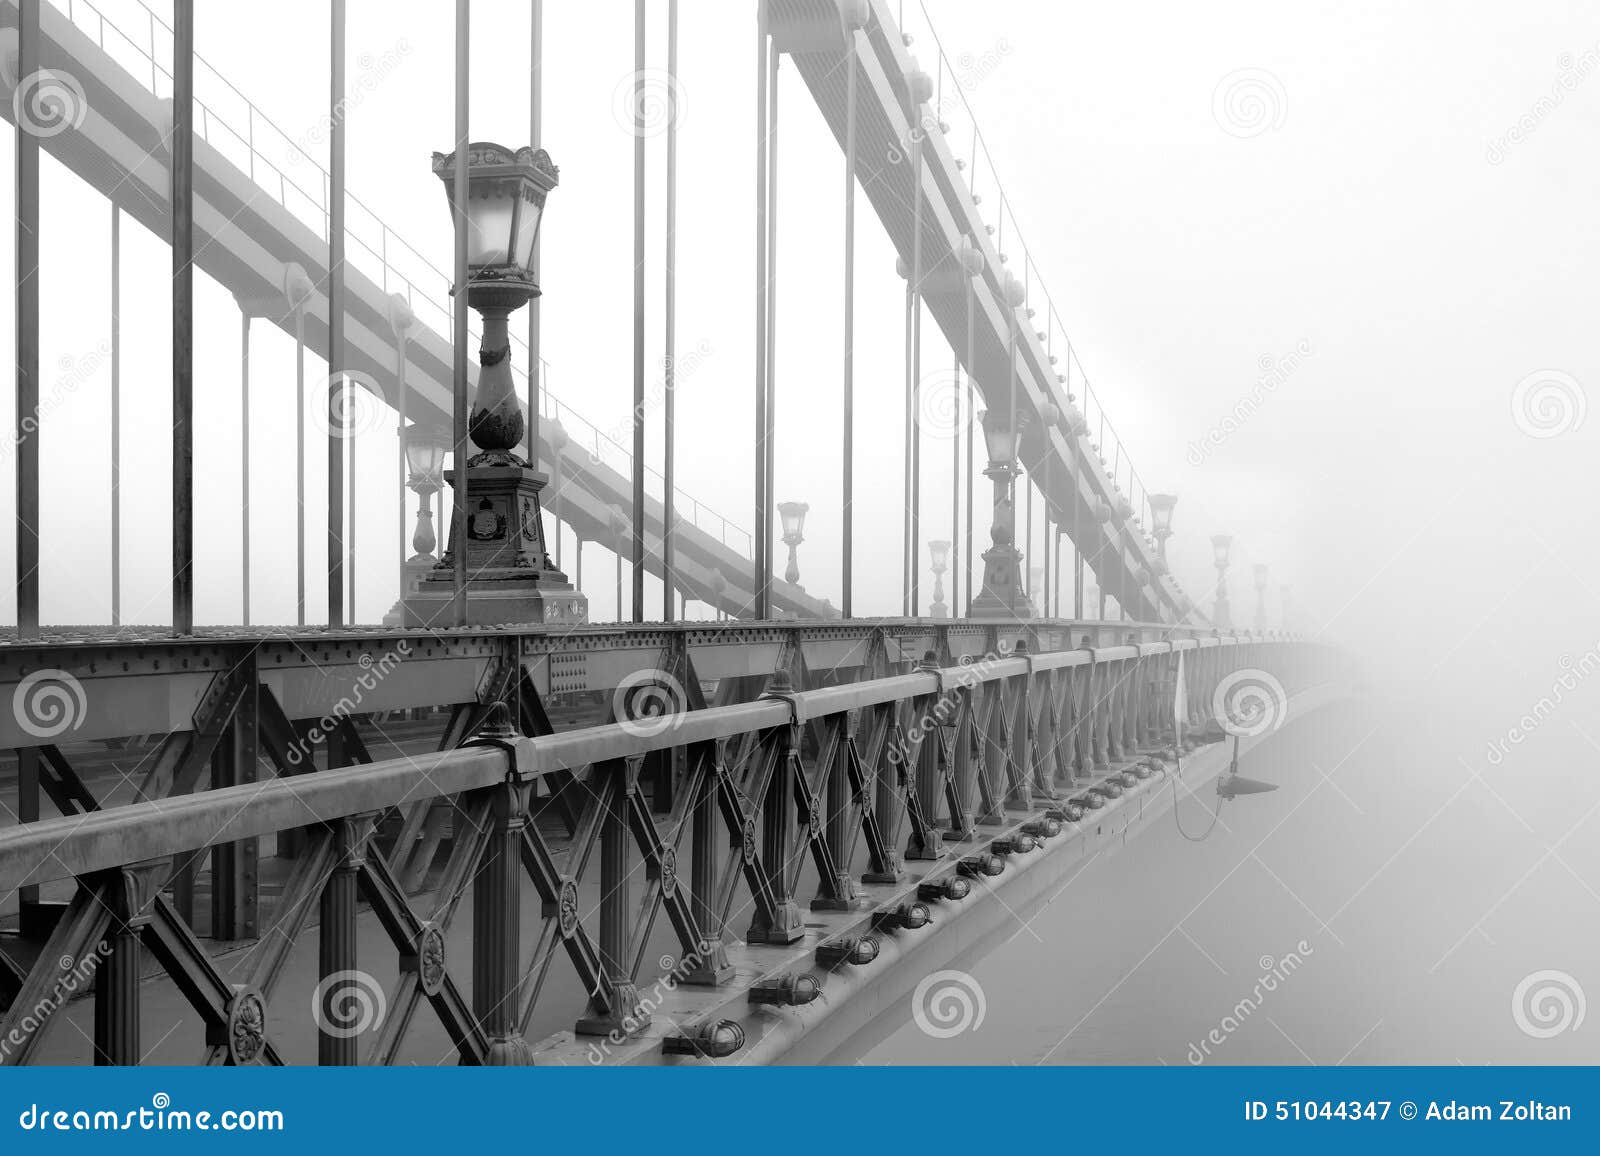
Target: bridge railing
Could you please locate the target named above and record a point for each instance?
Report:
(283, 168)
(907, 782)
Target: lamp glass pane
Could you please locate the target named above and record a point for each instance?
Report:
(997, 438)
(425, 459)
(527, 231)
(793, 516)
(489, 224)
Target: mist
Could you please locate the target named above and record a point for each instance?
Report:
(1326, 265)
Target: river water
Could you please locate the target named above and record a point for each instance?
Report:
(1411, 894)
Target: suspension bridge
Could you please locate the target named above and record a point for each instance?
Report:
(735, 831)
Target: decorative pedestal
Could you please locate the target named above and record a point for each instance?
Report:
(510, 577)
(1002, 595)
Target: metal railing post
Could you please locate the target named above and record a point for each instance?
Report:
(840, 805)
(336, 945)
(712, 966)
(617, 1009)
(497, 926)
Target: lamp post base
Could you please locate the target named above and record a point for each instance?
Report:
(497, 602)
(510, 576)
(1002, 595)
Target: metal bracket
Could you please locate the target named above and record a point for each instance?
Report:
(498, 732)
(797, 714)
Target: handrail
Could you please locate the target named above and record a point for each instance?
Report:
(311, 209)
(77, 845)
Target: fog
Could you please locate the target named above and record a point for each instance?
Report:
(1410, 229)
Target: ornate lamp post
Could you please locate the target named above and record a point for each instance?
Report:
(512, 577)
(1161, 521)
(425, 452)
(939, 553)
(1219, 547)
(1261, 598)
(1002, 595)
(793, 517)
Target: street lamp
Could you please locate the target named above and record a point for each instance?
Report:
(425, 451)
(1219, 547)
(422, 453)
(1261, 597)
(1161, 521)
(939, 554)
(1002, 595)
(793, 517)
(1050, 414)
(513, 578)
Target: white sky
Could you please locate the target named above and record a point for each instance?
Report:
(1386, 479)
